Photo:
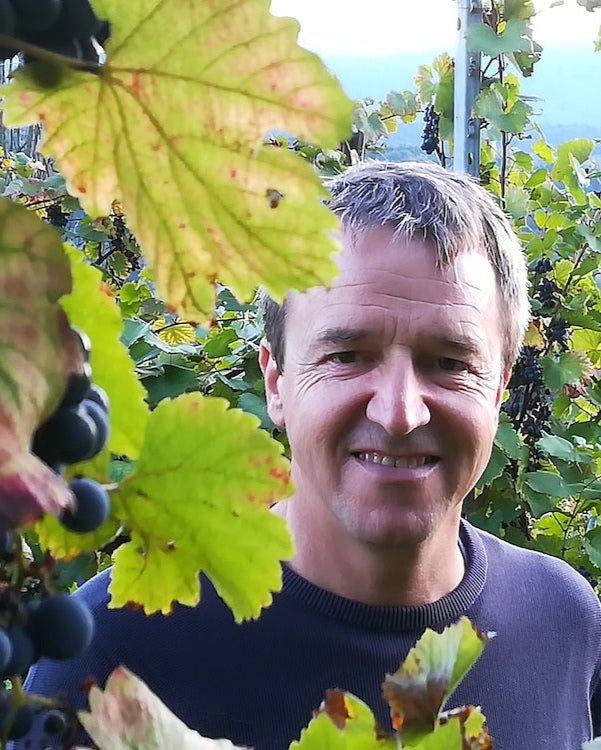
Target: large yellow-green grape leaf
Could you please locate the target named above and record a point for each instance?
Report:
(343, 722)
(198, 500)
(127, 715)
(434, 667)
(37, 352)
(92, 307)
(173, 127)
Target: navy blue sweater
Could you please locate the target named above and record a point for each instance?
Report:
(258, 683)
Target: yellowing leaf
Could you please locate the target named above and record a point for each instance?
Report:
(199, 499)
(346, 723)
(38, 351)
(127, 715)
(173, 126)
(92, 307)
(433, 668)
(175, 333)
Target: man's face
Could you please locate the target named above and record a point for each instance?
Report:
(390, 390)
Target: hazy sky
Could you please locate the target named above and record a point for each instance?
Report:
(388, 27)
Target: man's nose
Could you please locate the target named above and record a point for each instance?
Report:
(399, 401)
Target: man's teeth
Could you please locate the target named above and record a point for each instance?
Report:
(409, 462)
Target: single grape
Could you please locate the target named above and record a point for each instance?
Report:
(92, 506)
(34, 16)
(99, 396)
(55, 722)
(78, 384)
(100, 418)
(23, 652)
(69, 436)
(6, 649)
(61, 627)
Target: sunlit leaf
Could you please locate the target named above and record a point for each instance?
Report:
(127, 715)
(579, 150)
(417, 691)
(343, 722)
(38, 353)
(199, 499)
(491, 106)
(173, 126)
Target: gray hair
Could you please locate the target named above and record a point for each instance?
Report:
(450, 210)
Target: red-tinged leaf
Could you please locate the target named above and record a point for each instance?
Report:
(127, 715)
(38, 352)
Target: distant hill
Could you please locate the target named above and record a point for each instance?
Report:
(566, 80)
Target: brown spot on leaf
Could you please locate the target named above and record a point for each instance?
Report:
(81, 186)
(335, 707)
(182, 226)
(280, 475)
(233, 174)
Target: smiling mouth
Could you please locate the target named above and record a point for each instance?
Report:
(399, 462)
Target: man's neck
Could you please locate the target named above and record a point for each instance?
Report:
(399, 576)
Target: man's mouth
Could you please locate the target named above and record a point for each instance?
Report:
(399, 462)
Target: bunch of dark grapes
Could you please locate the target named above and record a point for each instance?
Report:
(557, 331)
(547, 292)
(122, 240)
(56, 216)
(430, 137)
(529, 402)
(65, 27)
(35, 621)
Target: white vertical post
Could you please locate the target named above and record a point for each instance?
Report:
(466, 130)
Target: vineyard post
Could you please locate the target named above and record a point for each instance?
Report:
(466, 135)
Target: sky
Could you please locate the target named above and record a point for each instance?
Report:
(375, 28)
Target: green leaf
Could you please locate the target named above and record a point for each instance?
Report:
(516, 202)
(548, 483)
(218, 342)
(508, 438)
(127, 715)
(496, 464)
(172, 382)
(491, 106)
(38, 351)
(570, 368)
(179, 113)
(579, 150)
(544, 151)
(592, 545)
(343, 722)
(91, 306)
(199, 499)
(514, 38)
(562, 448)
(252, 404)
(434, 667)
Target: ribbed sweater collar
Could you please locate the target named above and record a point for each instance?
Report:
(380, 618)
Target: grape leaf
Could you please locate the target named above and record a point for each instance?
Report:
(198, 499)
(343, 722)
(514, 38)
(38, 352)
(91, 306)
(434, 667)
(127, 715)
(173, 126)
(490, 105)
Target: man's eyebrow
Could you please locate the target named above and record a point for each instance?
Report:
(466, 345)
(341, 335)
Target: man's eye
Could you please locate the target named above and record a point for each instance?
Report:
(343, 358)
(448, 364)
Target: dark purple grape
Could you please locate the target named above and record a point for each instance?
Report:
(55, 722)
(77, 19)
(91, 509)
(23, 652)
(34, 16)
(69, 436)
(99, 396)
(6, 649)
(61, 627)
(100, 419)
(78, 385)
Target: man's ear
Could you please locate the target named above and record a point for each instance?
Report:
(503, 385)
(273, 379)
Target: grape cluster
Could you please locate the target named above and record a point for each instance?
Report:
(64, 27)
(547, 292)
(587, 574)
(430, 137)
(55, 215)
(122, 241)
(557, 331)
(77, 431)
(542, 265)
(529, 402)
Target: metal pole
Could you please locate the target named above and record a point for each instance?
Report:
(466, 130)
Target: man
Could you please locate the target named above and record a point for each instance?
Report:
(388, 385)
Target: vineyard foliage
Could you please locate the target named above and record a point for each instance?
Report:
(191, 175)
